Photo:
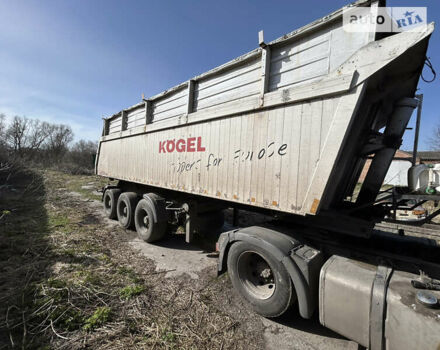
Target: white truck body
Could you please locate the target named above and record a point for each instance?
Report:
(265, 129)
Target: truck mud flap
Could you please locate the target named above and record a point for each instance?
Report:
(301, 262)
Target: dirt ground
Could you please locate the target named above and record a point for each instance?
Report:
(72, 279)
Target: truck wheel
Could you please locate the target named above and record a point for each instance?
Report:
(110, 199)
(125, 209)
(147, 228)
(260, 279)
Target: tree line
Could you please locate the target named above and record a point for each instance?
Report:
(41, 143)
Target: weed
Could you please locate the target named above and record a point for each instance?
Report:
(168, 336)
(88, 277)
(99, 317)
(131, 291)
(104, 258)
(60, 222)
(130, 273)
(56, 283)
(67, 318)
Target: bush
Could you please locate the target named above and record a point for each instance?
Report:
(75, 169)
(44, 144)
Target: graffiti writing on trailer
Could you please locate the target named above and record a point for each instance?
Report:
(181, 167)
(185, 166)
(214, 161)
(269, 151)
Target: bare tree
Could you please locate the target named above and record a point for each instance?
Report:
(16, 135)
(27, 136)
(38, 133)
(2, 125)
(3, 149)
(58, 141)
(2, 129)
(83, 153)
(434, 140)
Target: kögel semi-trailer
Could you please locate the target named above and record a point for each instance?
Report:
(286, 130)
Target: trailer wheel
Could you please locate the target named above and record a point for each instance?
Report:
(260, 279)
(149, 229)
(125, 209)
(110, 199)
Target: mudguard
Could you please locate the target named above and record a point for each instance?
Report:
(105, 188)
(283, 248)
(158, 203)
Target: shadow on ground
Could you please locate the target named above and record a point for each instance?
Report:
(293, 319)
(24, 254)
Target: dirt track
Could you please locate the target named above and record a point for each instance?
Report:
(79, 280)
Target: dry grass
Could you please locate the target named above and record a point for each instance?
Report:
(69, 281)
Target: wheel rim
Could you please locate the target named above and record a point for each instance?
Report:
(256, 275)
(123, 210)
(144, 219)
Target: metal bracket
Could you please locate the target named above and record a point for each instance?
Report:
(378, 307)
(381, 141)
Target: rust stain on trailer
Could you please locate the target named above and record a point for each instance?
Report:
(314, 206)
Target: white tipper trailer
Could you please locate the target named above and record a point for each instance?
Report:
(286, 130)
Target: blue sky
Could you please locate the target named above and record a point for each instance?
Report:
(76, 61)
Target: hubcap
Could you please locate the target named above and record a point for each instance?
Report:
(124, 210)
(146, 219)
(256, 275)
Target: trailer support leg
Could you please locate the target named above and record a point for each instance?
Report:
(191, 217)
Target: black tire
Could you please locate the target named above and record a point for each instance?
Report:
(125, 209)
(149, 229)
(260, 279)
(110, 200)
(210, 221)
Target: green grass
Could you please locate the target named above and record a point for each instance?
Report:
(75, 183)
(99, 318)
(130, 291)
(168, 336)
(129, 273)
(60, 222)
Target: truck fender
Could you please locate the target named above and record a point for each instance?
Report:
(281, 247)
(105, 188)
(158, 203)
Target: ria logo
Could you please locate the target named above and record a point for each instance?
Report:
(359, 19)
(410, 18)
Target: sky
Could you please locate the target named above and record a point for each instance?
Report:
(77, 61)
